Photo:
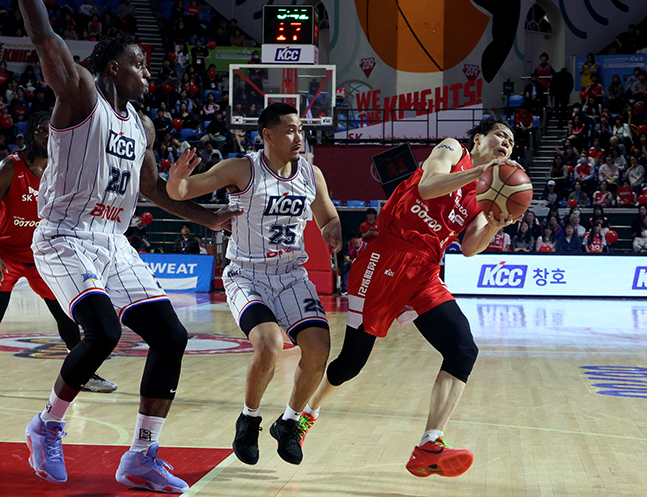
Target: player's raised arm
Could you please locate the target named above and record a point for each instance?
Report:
(325, 213)
(437, 180)
(73, 85)
(154, 189)
(229, 172)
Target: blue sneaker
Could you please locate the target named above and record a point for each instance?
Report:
(46, 449)
(142, 469)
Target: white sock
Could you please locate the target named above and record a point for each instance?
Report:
(430, 436)
(291, 414)
(147, 431)
(55, 409)
(313, 412)
(254, 413)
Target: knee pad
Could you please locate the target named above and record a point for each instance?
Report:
(446, 328)
(159, 326)
(353, 356)
(102, 331)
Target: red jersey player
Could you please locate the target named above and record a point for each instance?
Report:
(19, 181)
(400, 269)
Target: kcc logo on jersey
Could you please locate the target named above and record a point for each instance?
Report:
(121, 146)
(502, 275)
(291, 205)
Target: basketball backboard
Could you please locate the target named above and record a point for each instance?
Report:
(309, 88)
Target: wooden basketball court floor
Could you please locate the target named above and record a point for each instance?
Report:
(556, 406)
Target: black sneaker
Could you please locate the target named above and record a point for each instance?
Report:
(246, 442)
(286, 433)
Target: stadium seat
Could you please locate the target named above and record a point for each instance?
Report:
(186, 133)
(515, 100)
(355, 203)
(21, 127)
(154, 113)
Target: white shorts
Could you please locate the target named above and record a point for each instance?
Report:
(88, 263)
(286, 291)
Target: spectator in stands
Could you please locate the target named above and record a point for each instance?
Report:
(619, 160)
(553, 222)
(609, 172)
(500, 242)
(561, 87)
(533, 93)
(109, 24)
(184, 99)
(189, 120)
(630, 80)
(369, 228)
(199, 54)
(220, 38)
(39, 103)
(162, 152)
(589, 68)
(591, 110)
(596, 152)
(639, 244)
(569, 243)
(641, 144)
(638, 222)
(570, 156)
(615, 144)
(216, 131)
(579, 195)
(351, 251)
(604, 196)
(523, 124)
(533, 223)
(5, 77)
(127, 16)
(177, 13)
(95, 28)
(639, 87)
(162, 124)
(550, 194)
(180, 33)
(625, 194)
(573, 218)
(14, 25)
(209, 155)
(210, 107)
(136, 241)
(182, 59)
(28, 79)
(578, 133)
(627, 42)
(19, 105)
(635, 175)
(599, 217)
(545, 71)
(586, 172)
(6, 124)
(558, 173)
(595, 90)
(19, 145)
(194, 76)
(186, 244)
(602, 130)
(616, 95)
(166, 75)
(547, 241)
(231, 27)
(237, 39)
(594, 241)
(523, 241)
(202, 245)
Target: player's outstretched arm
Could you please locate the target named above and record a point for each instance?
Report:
(154, 189)
(437, 180)
(325, 213)
(73, 85)
(229, 172)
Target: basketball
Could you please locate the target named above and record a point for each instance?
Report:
(504, 188)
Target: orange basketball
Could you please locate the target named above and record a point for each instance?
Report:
(504, 188)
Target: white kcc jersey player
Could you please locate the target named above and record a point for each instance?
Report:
(87, 196)
(266, 248)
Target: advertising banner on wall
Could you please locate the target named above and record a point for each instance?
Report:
(182, 273)
(608, 65)
(546, 275)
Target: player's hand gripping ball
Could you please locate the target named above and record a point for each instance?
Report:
(504, 189)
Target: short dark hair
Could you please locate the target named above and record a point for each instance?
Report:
(271, 115)
(32, 123)
(371, 210)
(485, 126)
(107, 49)
(356, 234)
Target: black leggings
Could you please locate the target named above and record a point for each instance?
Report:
(445, 327)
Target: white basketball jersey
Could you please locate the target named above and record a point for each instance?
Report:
(275, 213)
(92, 180)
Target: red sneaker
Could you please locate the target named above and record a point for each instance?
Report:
(440, 459)
(305, 423)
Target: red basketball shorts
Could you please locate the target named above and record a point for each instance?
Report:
(18, 270)
(389, 278)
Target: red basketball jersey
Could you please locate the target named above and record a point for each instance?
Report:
(431, 225)
(19, 213)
